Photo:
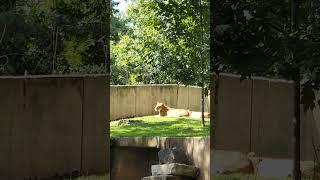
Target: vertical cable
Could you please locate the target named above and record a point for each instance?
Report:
(82, 124)
(202, 68)
(251, 116)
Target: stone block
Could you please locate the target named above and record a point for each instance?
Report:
(175, 169)
(172, 155)
(165, 177)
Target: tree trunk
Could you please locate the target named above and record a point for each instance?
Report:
(213, 77)
(106, 33)
(214, 106)
(296, 78)
(54, 40)
(296, 131)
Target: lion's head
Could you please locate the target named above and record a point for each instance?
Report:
(159, 106)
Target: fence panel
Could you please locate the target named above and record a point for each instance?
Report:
(232, 127)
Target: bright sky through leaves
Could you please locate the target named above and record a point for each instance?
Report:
(123, 5)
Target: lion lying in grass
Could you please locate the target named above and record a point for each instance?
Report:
(247, 165)
(165, 110)
(170, 112)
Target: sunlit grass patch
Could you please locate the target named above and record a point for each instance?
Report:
(161, 126)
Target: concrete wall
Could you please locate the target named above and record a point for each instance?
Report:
(133, 156)
(140, 100)
(53, 125)
(197, 150)
(132, 162)
(256, 115)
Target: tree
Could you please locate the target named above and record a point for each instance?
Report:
(45, 37)
(296, 120)
(164, 42)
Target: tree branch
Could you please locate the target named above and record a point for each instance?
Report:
(3, 33)
(6, 57)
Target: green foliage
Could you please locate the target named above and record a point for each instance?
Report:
(163, 44)
(255, 38)
(60, 36)
(118, 23)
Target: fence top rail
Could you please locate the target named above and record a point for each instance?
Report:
(55, 76)
(257, 78)
(142, 85)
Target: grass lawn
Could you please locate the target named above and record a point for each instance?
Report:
(161, 126)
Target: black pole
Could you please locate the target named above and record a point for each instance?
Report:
(214, 76)
(296, 78)
(202, 68)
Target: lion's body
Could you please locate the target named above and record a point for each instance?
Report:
(247, 165)
(170, 112)
(194, 114)
(177, 112)
(165, 110)
(242, 167)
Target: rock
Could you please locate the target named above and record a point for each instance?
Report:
(128, 122)
(175, 169)
(172, 155)
(165, 177)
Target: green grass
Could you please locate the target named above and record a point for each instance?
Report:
(161, 126)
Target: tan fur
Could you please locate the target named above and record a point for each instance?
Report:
(170, 112)
(247, 165)
(194, 114)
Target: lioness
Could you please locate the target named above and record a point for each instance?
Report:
(247, 165)
(170, 112)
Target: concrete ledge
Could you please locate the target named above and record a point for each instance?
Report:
(151, 142)
(175, 169)
(154, 141)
